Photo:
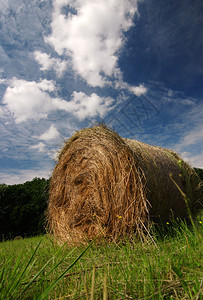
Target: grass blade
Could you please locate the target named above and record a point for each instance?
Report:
(46, 292)
(93, 284)
(184, 284)
(85, 287)
(105, 294)
(12, 290)
(42, 269)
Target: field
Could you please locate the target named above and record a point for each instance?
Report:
(166, 265)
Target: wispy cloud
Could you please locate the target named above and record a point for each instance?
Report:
(193, 160)
(40, 146)
(1, 112)
(21, 176)
(190, 144)
(193, 118)
(195, 136)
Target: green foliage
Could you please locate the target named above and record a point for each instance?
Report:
(166, 267)
(199, 172)
(22, 208)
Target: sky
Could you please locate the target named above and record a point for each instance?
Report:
(136, 65)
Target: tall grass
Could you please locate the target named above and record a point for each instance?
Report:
(166, 266)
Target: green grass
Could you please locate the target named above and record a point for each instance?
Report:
(161, 267)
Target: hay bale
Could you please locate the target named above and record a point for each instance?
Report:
(103, 182)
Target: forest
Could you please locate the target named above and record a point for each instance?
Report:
(23, 208)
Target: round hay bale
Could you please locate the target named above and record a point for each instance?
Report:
(105, 183)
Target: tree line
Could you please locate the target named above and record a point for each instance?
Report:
(23, 208)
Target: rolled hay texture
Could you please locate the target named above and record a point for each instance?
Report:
(106, 184)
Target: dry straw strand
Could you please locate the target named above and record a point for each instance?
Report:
(105, 183)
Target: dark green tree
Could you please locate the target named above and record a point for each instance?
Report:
(199, 172)
(22, 208)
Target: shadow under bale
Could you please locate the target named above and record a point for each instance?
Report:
(105, 183)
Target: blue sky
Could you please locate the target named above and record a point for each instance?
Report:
(64, 65)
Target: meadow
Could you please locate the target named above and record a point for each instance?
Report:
(166, 264)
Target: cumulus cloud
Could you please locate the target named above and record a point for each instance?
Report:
(138, 90)
(48, 63)
(84, 106)
(29, 99)
(50, 134)
(93, 36)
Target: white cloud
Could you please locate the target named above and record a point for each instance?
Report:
(29, 99)
(90, 106)
(84, 106)
(191, 142)
(138, 90)
(1, 112)
(50, 134)
(193, 160)
(122, 85)
(4, 5)
(20, 176)
(48, 63)
(40, 147)
(188, 102)
(3, 81)
(93, 36)
(195, 136)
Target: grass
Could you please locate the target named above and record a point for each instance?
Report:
(164, 266)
